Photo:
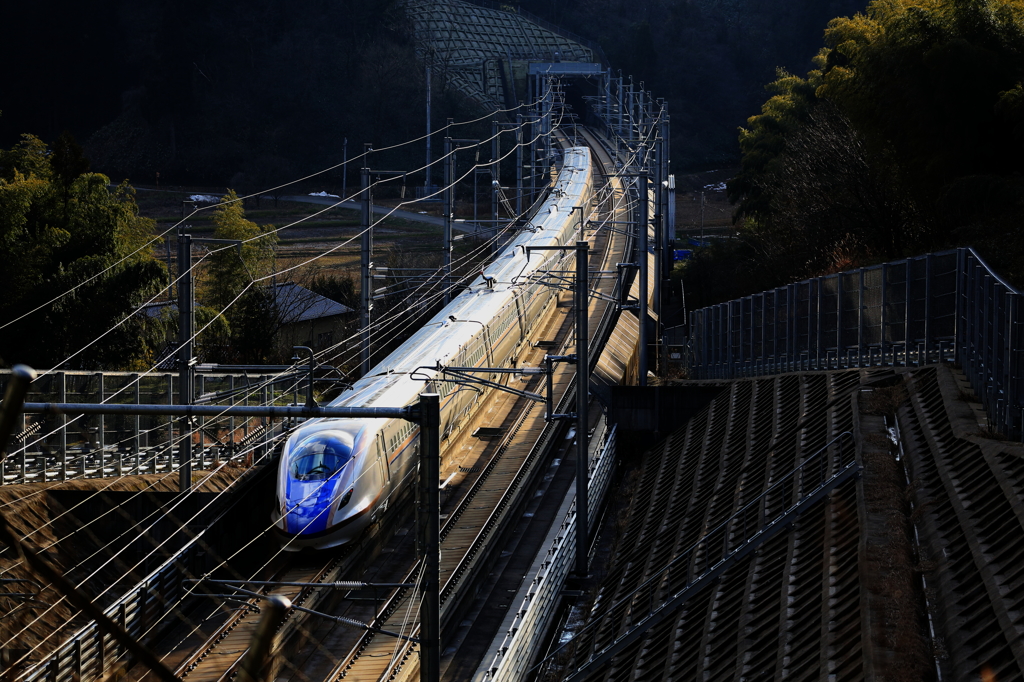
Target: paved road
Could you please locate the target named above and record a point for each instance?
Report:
(415, 216)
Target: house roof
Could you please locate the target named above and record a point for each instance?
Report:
(295, 303)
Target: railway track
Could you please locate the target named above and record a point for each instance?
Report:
(465, 531)
(219, 656)
(481, 487)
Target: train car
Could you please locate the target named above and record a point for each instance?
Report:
(337, 476)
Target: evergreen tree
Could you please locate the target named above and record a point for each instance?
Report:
(237, 285)
(906, 137)
(61, 229)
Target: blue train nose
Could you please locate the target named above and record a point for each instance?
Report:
(314, 467)
(309, 506)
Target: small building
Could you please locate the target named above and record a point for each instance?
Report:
(307, 318)
(304, 318)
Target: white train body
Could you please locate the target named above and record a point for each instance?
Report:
(337, 475)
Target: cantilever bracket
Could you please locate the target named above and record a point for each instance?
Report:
(465, 376)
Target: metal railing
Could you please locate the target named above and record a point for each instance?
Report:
(90, 652)
(58, 447)
(543, 595)
(942, 307)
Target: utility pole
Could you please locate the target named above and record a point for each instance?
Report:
(642, 253)
(702, 219)
(344, 170)
(429, 525)
(426, 184)
(186, 327)
(451, 145)
(365, 261)
(185, 375)
(582, 416)
(519, 165)
(495, 174)
(582, 404)
(366, 266)
(449, 200)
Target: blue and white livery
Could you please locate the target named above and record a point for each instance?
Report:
(336, 476)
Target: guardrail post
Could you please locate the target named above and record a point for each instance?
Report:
(883, 310)
(927, 304)
(908, 313)
(839, 318)
(860, 318)
(100, 438)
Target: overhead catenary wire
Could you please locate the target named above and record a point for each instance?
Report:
(240, 294)
(199, 209)
(463, 176)
(258, 237)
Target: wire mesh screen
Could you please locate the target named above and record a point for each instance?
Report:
(947, 306)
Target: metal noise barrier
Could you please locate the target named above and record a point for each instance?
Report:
(939, 307)
(509, 659)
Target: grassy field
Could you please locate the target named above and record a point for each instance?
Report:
(319, 236)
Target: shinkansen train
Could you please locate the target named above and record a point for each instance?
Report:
(337, 476)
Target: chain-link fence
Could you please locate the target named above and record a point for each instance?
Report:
(940, 307)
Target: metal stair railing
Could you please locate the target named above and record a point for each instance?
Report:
(721, 547)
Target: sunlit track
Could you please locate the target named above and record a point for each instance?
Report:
(482, 481)
(219, 656)
(374, 657)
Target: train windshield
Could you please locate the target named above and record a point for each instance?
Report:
(319, 457)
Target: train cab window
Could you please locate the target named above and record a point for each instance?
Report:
(319, 457)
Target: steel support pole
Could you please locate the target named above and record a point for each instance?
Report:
(882, 311)
(185, 391)
(430, 544)
(136, 440)
(495, 176)
(658, 264)
(272, 612)
(62, 395)
(426, 182)
(642, 266)
(582, 403)
(449, 201)
(622, 106)
(519, 165)
(927, 304)
(365, 262)
(670, 199)
(532, 146)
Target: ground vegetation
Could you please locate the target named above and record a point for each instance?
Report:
(63, 228)
(905, 137)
